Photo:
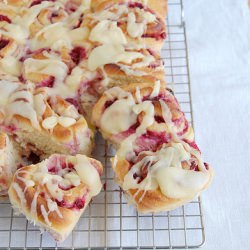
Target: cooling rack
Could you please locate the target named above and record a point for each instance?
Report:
(109, 222)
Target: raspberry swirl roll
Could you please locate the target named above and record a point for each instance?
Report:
(123, 64)
(127, 22)
(146, 115)
(43, 124)
(10, 159)
(54, 193)
(165, 179)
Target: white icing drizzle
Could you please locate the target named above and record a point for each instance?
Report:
(123, 113)
(39, 104)
(54, 36)
(24, 109)
(45, 215)
(107, 31)
(51, 67)
(134, 29)
(111, 53)
(156, 89)
(88, 174)
(180, 183)
(6, 88)
(166, 113)
(15, 31)
(165, 170)
(19, 193)
(33, 207)
(31, 13)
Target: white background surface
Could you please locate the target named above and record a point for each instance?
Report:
(218, 34)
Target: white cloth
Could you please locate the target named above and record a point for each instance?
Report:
(219, 54)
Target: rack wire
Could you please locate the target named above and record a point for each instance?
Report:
(109, 222)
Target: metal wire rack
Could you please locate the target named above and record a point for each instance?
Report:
(109, 222)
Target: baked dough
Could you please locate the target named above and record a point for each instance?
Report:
(10, 160)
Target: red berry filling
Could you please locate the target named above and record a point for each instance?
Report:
(79, 203)
(192, 144)
(77, 54)
(156, 36)
(159, 119)
(136, 5)
(108, 103)
(42, 194)
(49, 83)
(121, 136)
(206, 165)
(151, 141)
(58, 163)
(74, 102)
(4, 19)
(194, 166)
(21, 78)
(3, 43)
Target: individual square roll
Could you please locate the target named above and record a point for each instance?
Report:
(145, 114)
(43, 124)
(164, 179)
(54, 193)
(140, 22)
